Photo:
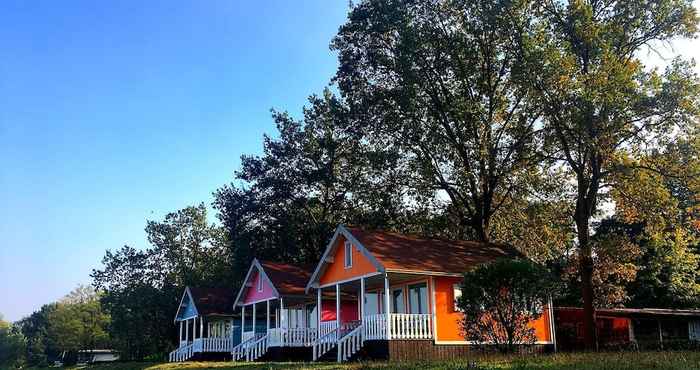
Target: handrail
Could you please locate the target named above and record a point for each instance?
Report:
(350, 343)
(256, 349)
(240, 350)
(325, 343)
(181, 354)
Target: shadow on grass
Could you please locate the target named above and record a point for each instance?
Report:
(685, 360)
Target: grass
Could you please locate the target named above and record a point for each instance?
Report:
(574, 361)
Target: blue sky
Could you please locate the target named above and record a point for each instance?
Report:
(112, 113)
(115, 112)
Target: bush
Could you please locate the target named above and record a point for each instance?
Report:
(500, 300)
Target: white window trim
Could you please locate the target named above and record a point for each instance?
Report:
(260, 283)
(456, 288)
(347, 261)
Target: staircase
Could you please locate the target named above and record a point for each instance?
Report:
(325, 343)
(344, 347)
(241, 350)
(349, 344)
(183, 353)
(256, 349)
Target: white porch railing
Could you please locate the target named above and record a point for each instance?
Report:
(241, 350)
(181, 354)
(411, 326)
(213, 345)
(350, 344)
(375, 327)
(256, 349)
(291, 337)
(403, 326)
(325, 343)
(247, 335)
(327, 327)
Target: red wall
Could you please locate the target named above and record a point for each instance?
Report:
(348, 311)
(252, 295)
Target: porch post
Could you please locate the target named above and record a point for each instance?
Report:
(180, 342)
(187, 330)
(283, 323)
(318, 311)
(337, 306)
(242, 322)
(387, 306)
(268, 315)
(362, 300)
(201, 327)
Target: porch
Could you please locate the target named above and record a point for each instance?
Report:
(204, 335)
(387, 306)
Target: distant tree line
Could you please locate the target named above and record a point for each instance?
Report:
(534, 123)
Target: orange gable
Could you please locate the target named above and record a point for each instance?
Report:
(336, 271)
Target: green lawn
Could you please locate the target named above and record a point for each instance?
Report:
(578, 361)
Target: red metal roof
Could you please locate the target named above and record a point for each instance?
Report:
(213, 301)
(287, 279)
(635, 312)
(412, 253)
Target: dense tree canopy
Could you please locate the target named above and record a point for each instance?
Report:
(599, 101)
(142, 288)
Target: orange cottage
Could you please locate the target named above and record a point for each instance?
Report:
(417, 279)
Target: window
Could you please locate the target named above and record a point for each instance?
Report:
(456, 295)
(397, 302)
(348, 254)
(418, 298)
(260, 283)
(372, 304)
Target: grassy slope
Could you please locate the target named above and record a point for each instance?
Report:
(579, 361)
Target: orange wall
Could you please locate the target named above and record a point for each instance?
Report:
(336, 271)
(448, 320)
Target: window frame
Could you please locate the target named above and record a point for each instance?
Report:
(410, 308)
(260, 283)
(347, 260)
(457, 287)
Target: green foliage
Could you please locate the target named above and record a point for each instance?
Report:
(441, 83)
(13, 346)
(141, 289)
(316, 174)
(500, 300)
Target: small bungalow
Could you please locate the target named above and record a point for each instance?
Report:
(381, 295)
(275, 311)
(206, 323)
(395, 295)
(630, 327)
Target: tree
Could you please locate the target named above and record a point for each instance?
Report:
(660, 213)
(140, 289)
(599, 100)
(440, 82)
(501, 299)
(12, 346)
(35, 329)
(78, 322)
(317, 173)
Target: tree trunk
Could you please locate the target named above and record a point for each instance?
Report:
(583, 216)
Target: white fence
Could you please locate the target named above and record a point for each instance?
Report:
(327, 327)
(403, 326)
(291, 337)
